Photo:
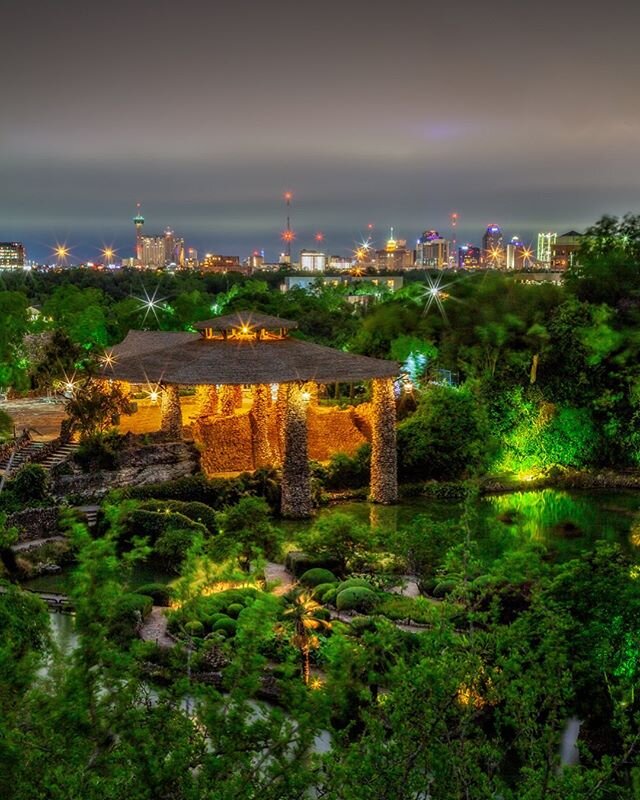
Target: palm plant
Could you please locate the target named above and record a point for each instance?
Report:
(303, 613)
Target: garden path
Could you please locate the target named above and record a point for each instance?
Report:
(277, 573)
(154, 628)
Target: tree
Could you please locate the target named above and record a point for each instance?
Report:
(6, 426)
(340, 538)
(96, 406)
(303, 613)
(246, 532)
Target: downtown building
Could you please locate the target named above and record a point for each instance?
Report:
(469, 257)
(564, 251)
(493, 253)
(432, 251)
(11, 255)
(394, 256)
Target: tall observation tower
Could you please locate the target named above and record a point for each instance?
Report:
(138, 221)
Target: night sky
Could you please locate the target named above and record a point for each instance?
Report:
(527, 114)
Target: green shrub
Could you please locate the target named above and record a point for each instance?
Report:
(444, 588)
(226, 626)
(234, 610)
(194, 628)
(351, 582)
(357, 598)
(298, 562)
(416, 609)
(321, 588)
(349, 472)
(130, 609)
(98, 452)
(158, 592)
(341, 538)
(173, 546)
(447, 438)
(152, 524)
(317, 576)
(195, 511)
(30, 483)
(329, 596)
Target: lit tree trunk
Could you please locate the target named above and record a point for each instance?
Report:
(170, 412)
(230, 399)
(296, 480)
(384, 459)
(207, 400)
(260, 425)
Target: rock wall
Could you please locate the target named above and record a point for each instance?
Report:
(34, 523)
(225, 443)
(137, 466)
(332, 430)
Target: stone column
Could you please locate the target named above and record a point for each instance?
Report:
(260, 425)
(384, 458)
(281, 412)
(296, 479)
(207, 400)
(230, 399)
(170, 411)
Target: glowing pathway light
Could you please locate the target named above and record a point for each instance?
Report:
(108, 359)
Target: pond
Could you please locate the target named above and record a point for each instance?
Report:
(565, 523)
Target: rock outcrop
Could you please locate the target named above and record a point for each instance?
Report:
(136, 466)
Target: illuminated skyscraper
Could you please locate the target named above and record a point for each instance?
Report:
(546, 242)
(469, 257)
(11, 255)
(492, 247)
(432, 251)
(313, 261)
(394, 256)
(564, 251)
(138, 221)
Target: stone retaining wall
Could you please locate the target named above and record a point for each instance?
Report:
(35, 523)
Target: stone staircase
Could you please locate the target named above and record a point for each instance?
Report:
(46, 454)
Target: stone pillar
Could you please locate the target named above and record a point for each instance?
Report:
(384, 458)
(170, 411)
(296, 479)
(280, 413)
(207, 400)
(230, 399)
(263, 456)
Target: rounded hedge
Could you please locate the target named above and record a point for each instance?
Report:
(317, 576)
(194, 627)
(322, 588)
(225, 625)
(444, 588)
(158, 592)
(234, 610)
(356, 598)
(329, 595)
(351, 582)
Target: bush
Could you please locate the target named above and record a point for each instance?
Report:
(30, 483)
(130, 610)
(158, 592)
(98, 452)
(340, 538)
(317, 576)
(173, 546)
(444, 588)
(357, 598)
(329, 596)
(351, 582)
(195, 511)
(447, 438)
(227, 626)
(349, 472)
(416, 609)
(298, 562)
(153, 524)
(234, 610)
(194, 628)
(321, 588)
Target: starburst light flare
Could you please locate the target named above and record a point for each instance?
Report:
(151, 304)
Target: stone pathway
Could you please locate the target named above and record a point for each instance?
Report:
(277, 573)
(154, 628)
(21, 546)
(408, 588)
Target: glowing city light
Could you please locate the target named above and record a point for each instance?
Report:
(61, 252)
(288, 236)
(434, 292)
(108, 254)
(319, 237)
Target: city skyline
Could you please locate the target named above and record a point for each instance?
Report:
(525, 117)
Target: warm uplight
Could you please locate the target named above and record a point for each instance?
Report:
(306, 396)
(107, 359)
(153, 396)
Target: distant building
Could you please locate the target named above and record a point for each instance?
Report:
(394, 256)
(255, 260)
(469, 257)
(339, 264)
(11, 255)
(152, 251)
(313, 261)
(516, 254)
(493, 255)
(309, 283)
(173, 249)
(564, 251)
(432, 251)
(546, 242)
(212, 262)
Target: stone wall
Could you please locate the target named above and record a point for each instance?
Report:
(35, 523)
(137, 465)
(225, 443)
(332, 430)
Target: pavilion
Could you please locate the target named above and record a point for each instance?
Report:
(257, 391)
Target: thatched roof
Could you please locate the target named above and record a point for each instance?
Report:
(251, 319)
(189, 359)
